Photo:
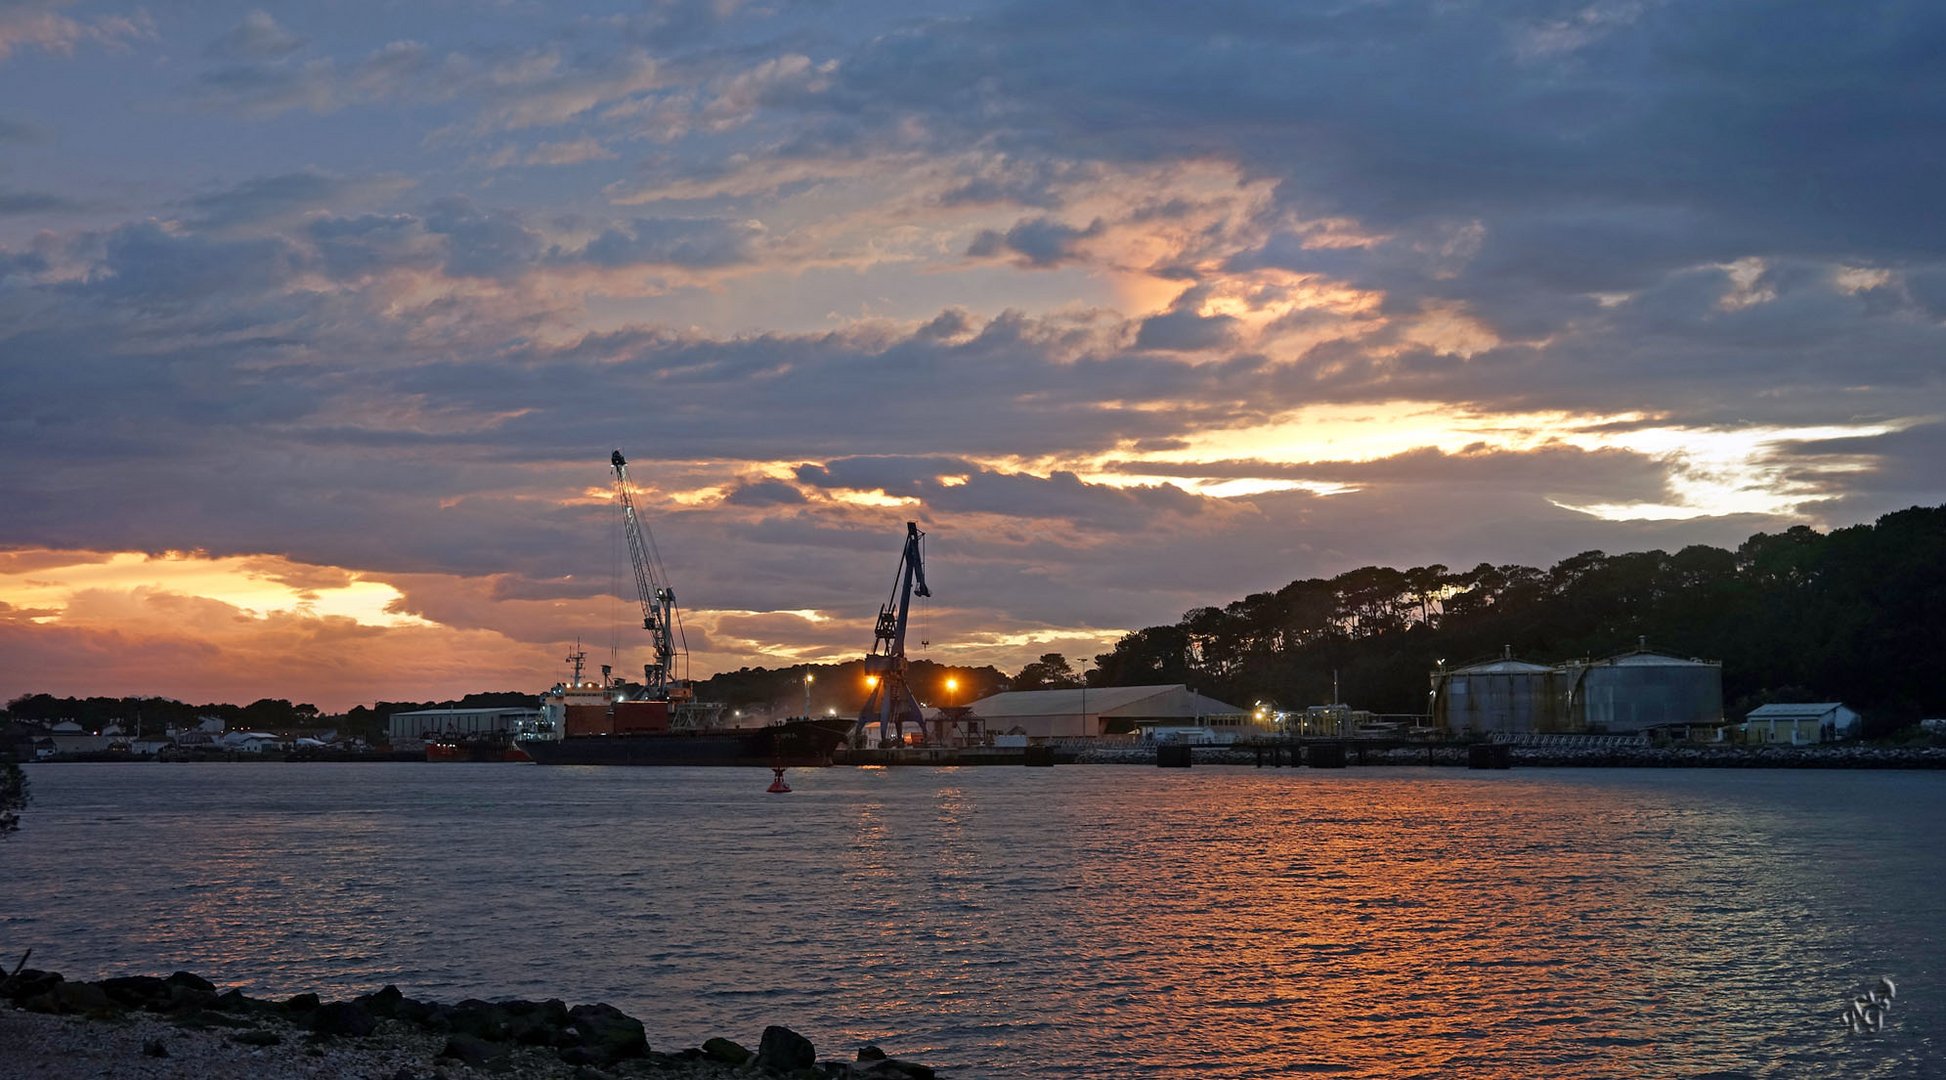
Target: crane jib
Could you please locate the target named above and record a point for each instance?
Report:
(659, 614)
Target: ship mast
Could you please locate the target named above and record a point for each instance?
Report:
(666, 679)
(891, 703)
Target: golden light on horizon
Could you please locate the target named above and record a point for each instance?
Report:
(256, 586)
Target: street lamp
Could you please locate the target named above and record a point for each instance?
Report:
(808, 680)
(952, 684)
(1084, 691)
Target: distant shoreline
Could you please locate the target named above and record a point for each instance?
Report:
(1844, 756)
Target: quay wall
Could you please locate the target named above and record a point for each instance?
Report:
(1634, 757)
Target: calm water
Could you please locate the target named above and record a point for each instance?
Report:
(1077, 921)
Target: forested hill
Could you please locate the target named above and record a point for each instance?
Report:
(1857, 615)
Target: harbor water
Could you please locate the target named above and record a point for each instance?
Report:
(1068, 922)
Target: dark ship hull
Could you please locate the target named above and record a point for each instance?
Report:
(793, 743)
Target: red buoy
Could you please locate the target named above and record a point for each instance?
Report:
(777, 785)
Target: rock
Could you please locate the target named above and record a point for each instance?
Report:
(154, 1048)
(476, 1052)
(31, 983)
(234, 1001)
(184, 998)
(343, 1018)
(539, 1023)
(192, 982)
(302, 1003)
(74, 997)
(383, 1003)
(481, 1019)
(785, 1051)
(725, 1050)
(868, 1052)
(607, 1034)
(136, 991)
(893, 1069)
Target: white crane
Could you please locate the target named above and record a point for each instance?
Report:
(667, 678)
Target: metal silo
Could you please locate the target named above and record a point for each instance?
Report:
(1639, 690)
(1504, 695)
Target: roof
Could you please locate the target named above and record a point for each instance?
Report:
(494, 710)
(1651, 659)
(1174, 700)
(1502, 667)
(1787, 711)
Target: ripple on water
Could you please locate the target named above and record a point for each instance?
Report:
(1226, 923)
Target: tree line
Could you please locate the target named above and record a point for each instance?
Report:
(1855, 615)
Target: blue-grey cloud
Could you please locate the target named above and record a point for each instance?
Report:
(700, 243)
(764, 493)
(289, 196)
(258, 37)
(32, 202)
(1039, 242)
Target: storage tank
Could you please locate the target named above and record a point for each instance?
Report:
(1639, 690)
(1497, 696)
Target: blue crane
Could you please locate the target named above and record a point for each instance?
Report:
(891, 703)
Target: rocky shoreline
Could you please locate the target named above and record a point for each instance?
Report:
(142, 1026)
(1850, 756)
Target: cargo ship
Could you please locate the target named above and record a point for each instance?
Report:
(660, 722)
(485, 746)
(794, 743)
(605, 722)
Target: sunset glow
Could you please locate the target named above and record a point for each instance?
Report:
(316, 332)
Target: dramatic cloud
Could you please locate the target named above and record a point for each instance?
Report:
(316, 335)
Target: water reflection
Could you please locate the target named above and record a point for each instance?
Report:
(1065, 922)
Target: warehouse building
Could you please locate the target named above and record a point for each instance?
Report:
(1800, 724)
(1106, 710)
(425, 723)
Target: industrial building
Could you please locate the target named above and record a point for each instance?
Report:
(1637, 691)
(422, 723)
(1799, 724)
(1641, 691)
(1107, 710)
(1501, 695)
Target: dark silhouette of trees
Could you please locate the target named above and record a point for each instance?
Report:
(13, 797)
(1853, 616)
(1051, 672)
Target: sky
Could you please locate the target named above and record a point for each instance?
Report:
(319, 322)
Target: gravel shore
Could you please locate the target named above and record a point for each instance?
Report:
(141, 1047)
(148, 1028)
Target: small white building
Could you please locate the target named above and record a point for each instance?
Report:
(1800, 724)
(1107, 710)
(250, 742)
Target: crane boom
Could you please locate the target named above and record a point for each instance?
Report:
(891, 703)
(663, 678)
